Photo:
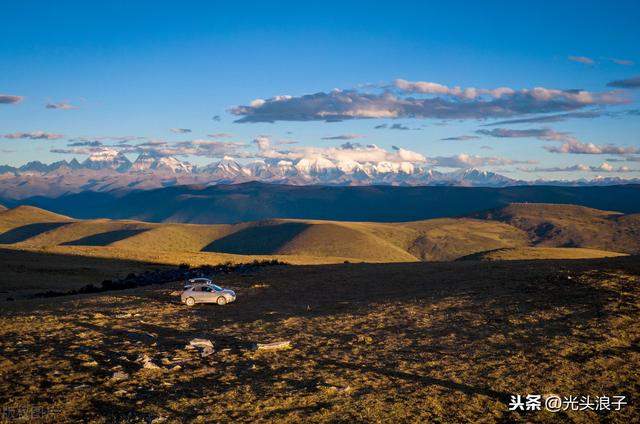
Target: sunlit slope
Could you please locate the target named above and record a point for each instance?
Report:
(554, 225)
(24, 222)
(23, 215)
(174, 237)
(88, 233)
(448, 238)
(528, 253)
(507, 233)
(341, 239)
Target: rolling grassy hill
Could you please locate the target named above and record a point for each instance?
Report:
(552, 225)
(518, 231)
(529, 253)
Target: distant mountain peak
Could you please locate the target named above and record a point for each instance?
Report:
(107, 159)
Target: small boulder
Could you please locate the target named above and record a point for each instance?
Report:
(147, 363)
(202, 343)
(205, 345)
(119, 376)
(284, 345)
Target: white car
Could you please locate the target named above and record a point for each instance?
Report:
(206, 293)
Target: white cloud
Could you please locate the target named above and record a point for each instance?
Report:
(582, 59)
(61, 105)
(603, 167)
(346, 152)
(578, 147)
(435, 101)
(464, 160)
(34, 135)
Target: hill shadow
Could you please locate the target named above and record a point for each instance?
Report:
(25, 232)
(260, 240)
(106, 238)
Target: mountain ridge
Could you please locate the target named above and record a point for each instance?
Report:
(253, 201)
(110, 169)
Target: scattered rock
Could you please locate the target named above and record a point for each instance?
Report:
(284, 345)
(205, 344)
(201, 343)
(147, 363)
(119, 376)
(150, 365)
(334, 389)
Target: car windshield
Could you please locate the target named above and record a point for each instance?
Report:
(216, 288)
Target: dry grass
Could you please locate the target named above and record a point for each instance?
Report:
(318, 241)
(522, 253)
(552, 225)
(414, 342)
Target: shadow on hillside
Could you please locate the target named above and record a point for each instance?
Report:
(106, 238)
(25, 232)
(259, 240)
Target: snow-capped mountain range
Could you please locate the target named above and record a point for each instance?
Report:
(109, 169)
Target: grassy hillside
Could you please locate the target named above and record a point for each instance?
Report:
(572, 226)
(513, 227)
(527, 253)
(23, 215)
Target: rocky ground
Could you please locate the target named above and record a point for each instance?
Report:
(419, 342)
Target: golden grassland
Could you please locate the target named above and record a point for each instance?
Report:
(529, 253)
(522, 230)
(551, 225)
(395, 342)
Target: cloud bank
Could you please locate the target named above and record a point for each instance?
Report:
(434, 100)
(34, 135)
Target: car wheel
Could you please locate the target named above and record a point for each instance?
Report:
(222, 301)
(190, 301)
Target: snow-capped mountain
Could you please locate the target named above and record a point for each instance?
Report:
(107, 159)
(478, 177)
(148, 161)
(109, 169)
(227, 168)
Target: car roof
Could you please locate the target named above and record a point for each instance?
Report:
(200, 285)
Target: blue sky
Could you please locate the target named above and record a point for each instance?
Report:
(122, 69)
